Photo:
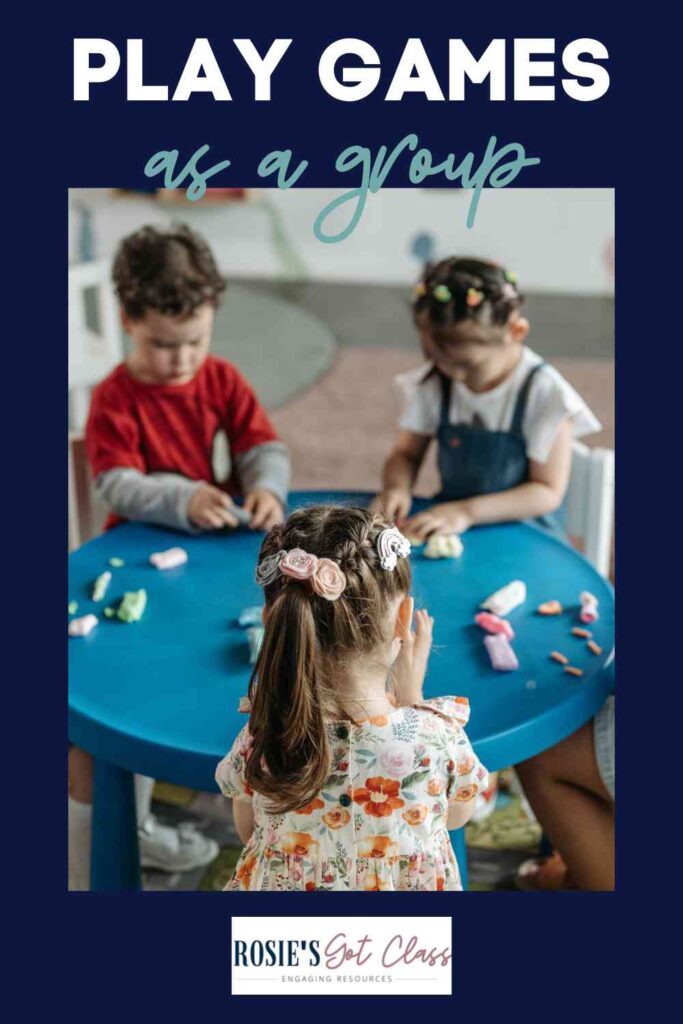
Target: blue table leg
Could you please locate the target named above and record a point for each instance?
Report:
(458, 841)
(115, 858)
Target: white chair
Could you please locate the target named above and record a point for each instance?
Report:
(589, 503)
(95, 347)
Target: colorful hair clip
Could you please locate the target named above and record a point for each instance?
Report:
(442, 293)
(391, 545)
(419, 290)
(474, 297)
(508, 291)
(511, 276)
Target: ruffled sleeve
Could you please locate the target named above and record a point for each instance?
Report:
(456, 708)
(419, 400)
(552, 400)
(230, 771)
(467, 776)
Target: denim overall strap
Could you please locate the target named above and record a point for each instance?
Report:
(446, 390)
(522, 398)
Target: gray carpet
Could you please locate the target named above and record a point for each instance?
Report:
(369, 315)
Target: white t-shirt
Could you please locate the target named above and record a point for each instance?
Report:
(551, 401)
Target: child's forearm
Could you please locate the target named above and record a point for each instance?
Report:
(160, 498)
(265, 467)
(523, 502)
(399, 472)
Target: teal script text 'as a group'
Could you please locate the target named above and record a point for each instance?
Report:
(497, 168)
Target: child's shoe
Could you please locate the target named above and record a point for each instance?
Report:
(174, 849)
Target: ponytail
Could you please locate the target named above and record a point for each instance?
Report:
(290, 758)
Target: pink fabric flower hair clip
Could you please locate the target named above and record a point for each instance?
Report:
(322, 575)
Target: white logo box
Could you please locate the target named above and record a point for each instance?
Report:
(341, 956)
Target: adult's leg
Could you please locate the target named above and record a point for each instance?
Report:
(570, 800)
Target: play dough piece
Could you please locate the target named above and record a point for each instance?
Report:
(448, 546)
(82, 626)
(589, 607)
(241, 515)
(169, 559)
(250, 617)
(116, 563)
(557, 656)
(132, 606)
(100, 585)
(573, 671)
(255, 637)
(505, 599)
(550, 608)
(109, 613)
(503, 658)
(492, 624)
(73, 607)
(585, 633)
(592, 646)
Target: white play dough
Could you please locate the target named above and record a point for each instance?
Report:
(449, 546)
(505, 599)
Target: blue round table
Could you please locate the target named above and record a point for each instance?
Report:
(160, 696)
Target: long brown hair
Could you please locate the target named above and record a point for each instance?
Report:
(305, 635)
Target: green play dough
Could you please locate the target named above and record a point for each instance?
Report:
(100, 586)
(73, 607)
(116, 563)
(132, 606)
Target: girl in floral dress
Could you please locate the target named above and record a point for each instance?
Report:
(344, 777)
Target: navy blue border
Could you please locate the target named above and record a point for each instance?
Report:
(109, 955)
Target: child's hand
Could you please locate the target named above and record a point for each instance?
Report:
(451, 517)
(410, 667)
(394, 504)
(209, 508)
(264, 508)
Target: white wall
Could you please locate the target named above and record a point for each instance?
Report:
(555, 239)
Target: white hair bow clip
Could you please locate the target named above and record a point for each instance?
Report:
(392, 545)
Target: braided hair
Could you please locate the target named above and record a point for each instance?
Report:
(461, 289)
(305, 636)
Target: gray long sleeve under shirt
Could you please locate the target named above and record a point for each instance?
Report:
(163, 498)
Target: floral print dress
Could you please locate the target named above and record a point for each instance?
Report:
(379, 823)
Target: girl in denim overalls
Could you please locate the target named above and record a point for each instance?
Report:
(503, 420)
